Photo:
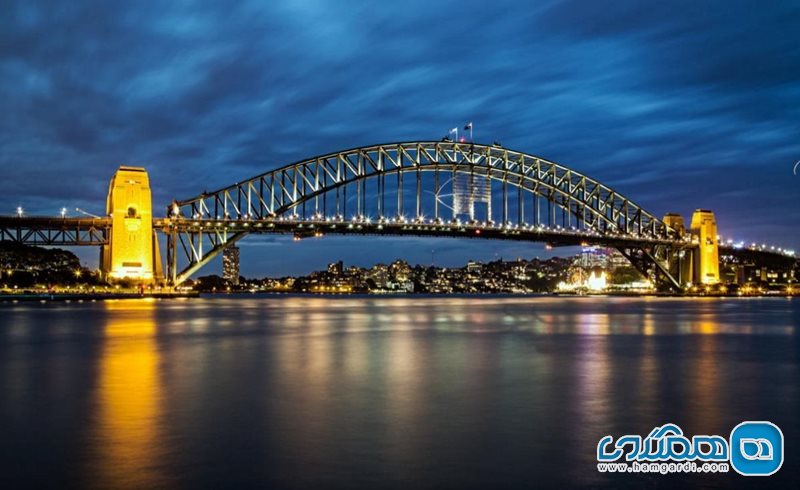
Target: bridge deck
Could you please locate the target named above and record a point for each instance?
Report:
(307, 228)
(51, 230)
(87, 231)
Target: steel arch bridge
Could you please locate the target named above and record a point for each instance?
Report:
(421, 188)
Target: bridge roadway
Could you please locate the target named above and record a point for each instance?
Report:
(79, 231)
(54, 230)
(306, 228)
(87, 231)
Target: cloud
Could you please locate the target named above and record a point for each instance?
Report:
(678, 105)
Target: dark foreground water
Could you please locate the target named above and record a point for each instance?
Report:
(460, 392)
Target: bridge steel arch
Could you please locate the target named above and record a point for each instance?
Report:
(281, 195)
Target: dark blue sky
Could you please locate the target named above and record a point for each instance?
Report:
(677, 105)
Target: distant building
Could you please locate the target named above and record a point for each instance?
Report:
(230, 265)
(604, 258)
(336, 268)
(400, 271)
(379, 273)
(474, 267)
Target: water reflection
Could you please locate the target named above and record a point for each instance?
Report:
(128, 400)
(704, 389)
(361, 392)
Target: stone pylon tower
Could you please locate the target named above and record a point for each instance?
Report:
(698, 263)
(704, 232)
(132, 250)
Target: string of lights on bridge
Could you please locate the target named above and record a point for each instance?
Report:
(422, 221)
(457, 224)
(742, 245)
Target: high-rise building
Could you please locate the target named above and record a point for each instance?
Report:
(230, 265)
(336, 268)
(380, 274)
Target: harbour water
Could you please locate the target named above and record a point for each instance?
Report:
(383, 392)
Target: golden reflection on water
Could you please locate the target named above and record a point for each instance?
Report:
(128, 399)
(648, 324)
(706, 325)
(405, 381)
(348, 369)
(704, 387)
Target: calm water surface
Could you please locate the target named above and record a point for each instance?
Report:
(404, 392)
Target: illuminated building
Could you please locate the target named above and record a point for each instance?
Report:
(400, 271)
(132, 250)
(474, 267)
(380, 275)
(596, 281)
(230, 265)
(336, 268)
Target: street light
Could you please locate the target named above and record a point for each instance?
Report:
(63, 212)
(19, 211)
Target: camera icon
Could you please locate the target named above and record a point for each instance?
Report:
(756, 448)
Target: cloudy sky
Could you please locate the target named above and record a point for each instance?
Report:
(678, 105)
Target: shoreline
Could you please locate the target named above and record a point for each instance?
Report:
(66, 297)
(91, 297)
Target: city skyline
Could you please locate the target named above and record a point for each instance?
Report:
(679, 108)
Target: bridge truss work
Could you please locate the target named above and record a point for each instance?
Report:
(53, 231)
(418, 188)
(435, 189)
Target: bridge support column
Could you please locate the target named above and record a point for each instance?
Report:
(172, 256)
(680, 261)
(131, 249)
(706, 251)
(698, 262)
(158, 267)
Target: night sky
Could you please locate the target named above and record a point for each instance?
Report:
(677, 105)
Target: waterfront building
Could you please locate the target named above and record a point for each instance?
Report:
(230, 265)
(336, 268)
